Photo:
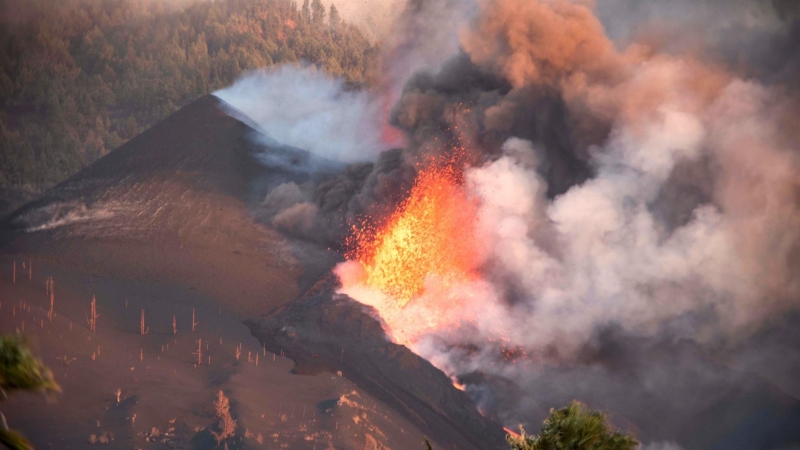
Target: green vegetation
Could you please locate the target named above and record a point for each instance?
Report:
(81, 77)
(20, 371)
(575, 427)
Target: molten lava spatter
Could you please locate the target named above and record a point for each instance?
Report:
(429, 235)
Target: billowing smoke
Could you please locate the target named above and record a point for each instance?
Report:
(676, 180)
(615, 249)
(753, 37)
(637, 207)
(628, 198)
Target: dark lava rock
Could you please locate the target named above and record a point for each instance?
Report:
(331, 332)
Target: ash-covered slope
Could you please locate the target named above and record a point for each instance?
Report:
(327, 331)
(199, 149)
(169, 204)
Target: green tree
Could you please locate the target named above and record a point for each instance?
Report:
(20, 371)
(334, 18)
(319, 12)
(575, 427)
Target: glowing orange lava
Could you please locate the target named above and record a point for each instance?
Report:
(430, 234)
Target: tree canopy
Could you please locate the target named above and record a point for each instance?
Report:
(20, 370)
(79, 78)
(575, 427)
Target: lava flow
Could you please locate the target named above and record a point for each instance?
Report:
(431, 234)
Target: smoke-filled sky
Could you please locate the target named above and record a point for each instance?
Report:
(636, 175)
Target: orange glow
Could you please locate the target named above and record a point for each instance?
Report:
(430, 234)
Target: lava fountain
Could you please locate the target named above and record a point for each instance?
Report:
(419, 257)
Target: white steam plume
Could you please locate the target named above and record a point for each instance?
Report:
(305, 108)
